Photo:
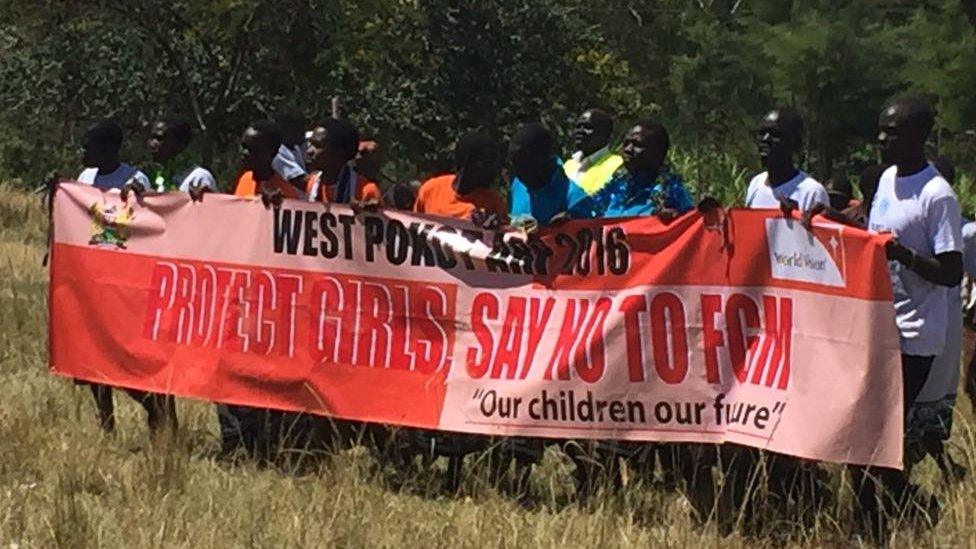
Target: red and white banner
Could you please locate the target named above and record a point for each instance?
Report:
(754, 331)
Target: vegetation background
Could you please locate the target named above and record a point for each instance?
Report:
(414, 74)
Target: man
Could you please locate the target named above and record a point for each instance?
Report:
(288, 161)
(331, 148)
(592, 164)
(175, 169)
(929, 422)
(917, 206)
(840, 191)
(643, 186)
(779, 137)
(259, 146)
(459, 195)
(540, 189)
(401, 196)
(255, 430)
(103, 169)
(369, 160)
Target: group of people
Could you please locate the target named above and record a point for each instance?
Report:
(906, 195)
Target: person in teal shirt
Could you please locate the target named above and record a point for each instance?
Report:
(540, 190)
(643, 186)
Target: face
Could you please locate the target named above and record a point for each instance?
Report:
(775, 141)
(897, 139)
(321, 156)
(162, 144)
(254, 152)
(95, 154)
(639, 152)
(479, 173)
(527, 166)
(368, 158)
(587, 137)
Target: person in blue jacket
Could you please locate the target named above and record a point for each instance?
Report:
(644, 185)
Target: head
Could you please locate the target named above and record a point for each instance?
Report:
(867, 182)
(531, 154)
(645, 147)
(401, 195)
(369, 159)
(169, 137)
(259, 145)
(331, 147)
(903, 129)
(292, 124)
(839, 190)
(779, 136)
(593, 131)
(476, 161)
(102, 143)
(947, 168)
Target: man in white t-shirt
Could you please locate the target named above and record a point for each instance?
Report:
(918, 207)
(102, 143)
(782, 185)
(103, 169)
(175, 169)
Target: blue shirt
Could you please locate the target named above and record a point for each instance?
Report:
(555, 197)
(635, 195)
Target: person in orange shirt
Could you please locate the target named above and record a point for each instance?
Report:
(259, 145)
(369, 160)
(331, 148)
(462, 194)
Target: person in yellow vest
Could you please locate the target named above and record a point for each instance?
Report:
(592, 164)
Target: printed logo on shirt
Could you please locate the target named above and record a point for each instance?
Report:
(110, 225)
(817, 257)
(883, 205)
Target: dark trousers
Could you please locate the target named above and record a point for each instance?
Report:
(890, 484)
(262, 433)
(254, 430)
(160, 409)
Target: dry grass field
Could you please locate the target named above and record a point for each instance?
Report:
(65, 484)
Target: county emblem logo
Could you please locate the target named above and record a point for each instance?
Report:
(110, 225)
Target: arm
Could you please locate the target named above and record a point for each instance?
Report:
(944, 269)
(836, 216)
(943, 227)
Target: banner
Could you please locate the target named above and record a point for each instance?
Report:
(745, 328)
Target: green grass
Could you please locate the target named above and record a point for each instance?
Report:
(65, 484)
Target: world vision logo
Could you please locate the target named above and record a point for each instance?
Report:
(817, 257)
(110, 225)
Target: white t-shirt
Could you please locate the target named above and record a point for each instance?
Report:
(289, 163)
(803, 189)
(923, 212)
(969, 248)
(193, 177)
(114, 180)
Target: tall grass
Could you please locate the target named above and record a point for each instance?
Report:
(65, 484)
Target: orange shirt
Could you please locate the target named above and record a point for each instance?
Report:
(365, 190)
(438, 197)
(248, 186)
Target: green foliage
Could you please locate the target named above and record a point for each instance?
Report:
(417, 73)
